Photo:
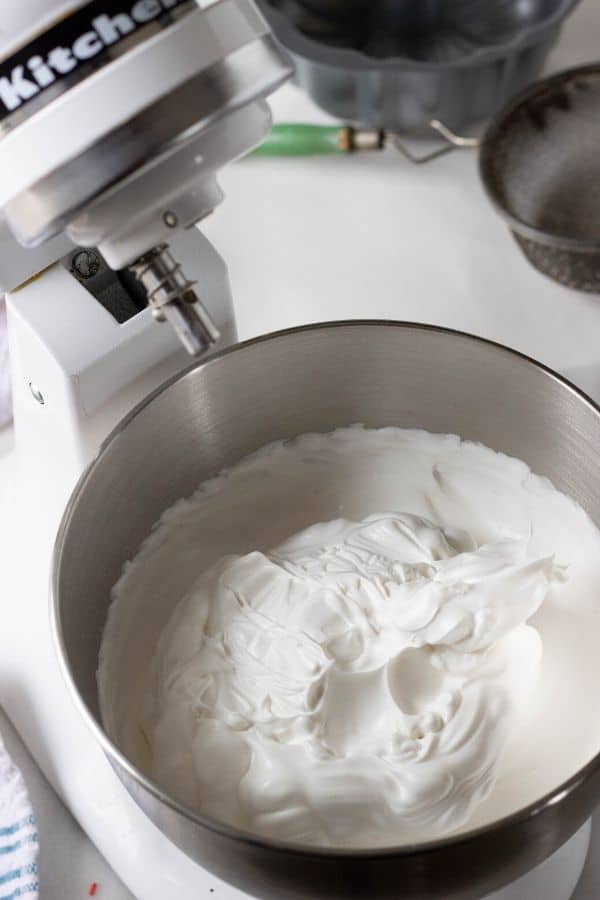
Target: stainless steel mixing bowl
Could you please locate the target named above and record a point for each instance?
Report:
(315, 379)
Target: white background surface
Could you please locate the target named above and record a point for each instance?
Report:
(374, 237)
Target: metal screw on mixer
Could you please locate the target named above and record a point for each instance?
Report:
(172, 298)
(85, 263)
(170, 219)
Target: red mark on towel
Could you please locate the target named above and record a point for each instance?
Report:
(92, 889)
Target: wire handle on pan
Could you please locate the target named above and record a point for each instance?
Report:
(453, 142)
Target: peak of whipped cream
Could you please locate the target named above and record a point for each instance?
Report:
(354, 686)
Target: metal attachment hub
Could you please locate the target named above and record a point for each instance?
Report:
(171, 297)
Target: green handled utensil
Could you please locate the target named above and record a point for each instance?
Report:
(292, 139)
(298, 139)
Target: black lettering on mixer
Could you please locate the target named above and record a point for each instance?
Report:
(71, 44)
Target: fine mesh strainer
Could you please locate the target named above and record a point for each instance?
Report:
(540, 164)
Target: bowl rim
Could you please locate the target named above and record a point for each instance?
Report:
(115, 755)
(348, 59)
(487, 152)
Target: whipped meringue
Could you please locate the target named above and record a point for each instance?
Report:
(369, 680)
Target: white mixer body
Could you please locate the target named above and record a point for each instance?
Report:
(20, 22)
(71, 386)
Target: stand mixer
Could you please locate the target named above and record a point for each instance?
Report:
(115, 118)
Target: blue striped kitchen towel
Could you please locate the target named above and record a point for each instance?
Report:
(18, 835)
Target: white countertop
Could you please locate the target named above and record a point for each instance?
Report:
(369, 237)
(374, 236)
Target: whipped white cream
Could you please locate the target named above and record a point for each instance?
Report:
(370, 680)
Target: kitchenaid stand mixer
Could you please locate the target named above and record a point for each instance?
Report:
(116, 118)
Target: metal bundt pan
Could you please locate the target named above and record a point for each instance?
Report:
(397, 64)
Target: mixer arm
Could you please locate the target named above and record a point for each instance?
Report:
(115, 118)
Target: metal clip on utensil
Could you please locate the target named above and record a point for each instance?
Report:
(453, 142)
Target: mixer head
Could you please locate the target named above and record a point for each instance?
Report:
(115, 118)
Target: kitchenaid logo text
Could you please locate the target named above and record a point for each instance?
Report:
(70, 44)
